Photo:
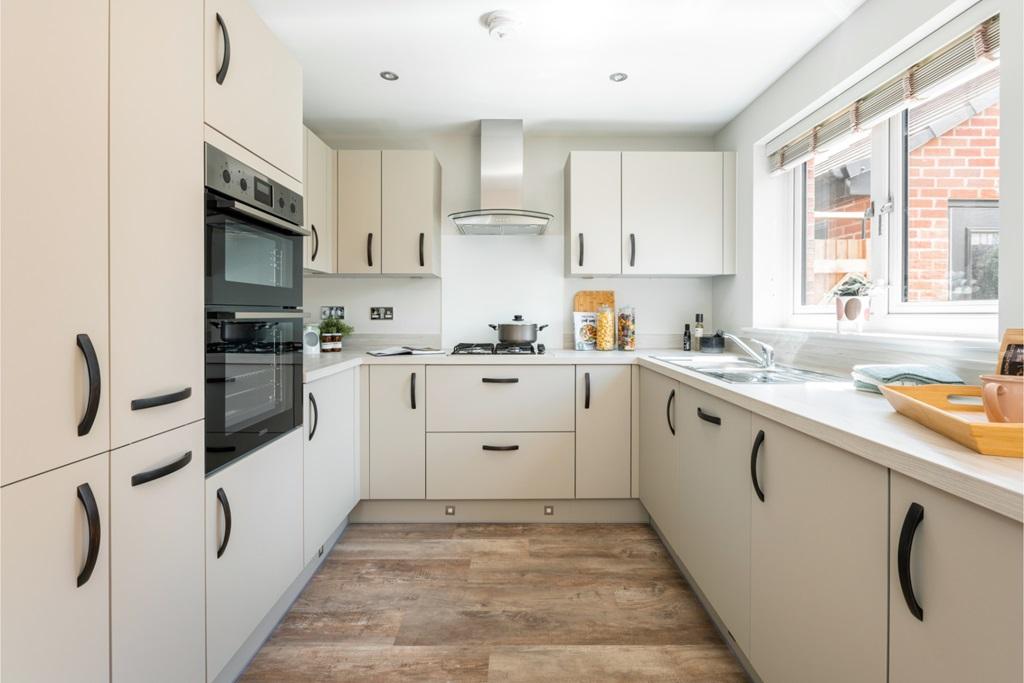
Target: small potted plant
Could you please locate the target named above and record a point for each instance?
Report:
(332, 331)
(852, 297)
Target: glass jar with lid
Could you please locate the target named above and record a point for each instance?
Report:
(605, 324)
(627, 328)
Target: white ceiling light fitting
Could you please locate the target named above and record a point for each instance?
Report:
(618, 77)
(500, 24)
(389, 75)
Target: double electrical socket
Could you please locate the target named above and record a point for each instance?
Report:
(332, 312)
(382, 313)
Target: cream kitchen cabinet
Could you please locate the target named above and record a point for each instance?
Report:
(55, 574)
(156, 153)
(318, 204)
(603, 431)
(397, 432)
(157, 567)
(359, 212)
(500, 466)
(53, 251)
(593, 213)
(253, 85)
(715, 501)
(673, 215)
(389, 212)
(818, 571)
(500, 398)
(253, 543)
(330, 481)
(661, 445)
(955, 597)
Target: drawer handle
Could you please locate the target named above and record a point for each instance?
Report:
(713, 419)
(500, 380)
(162, 400)
(586, 391)
(92, 517)
(162, 471)
(915, 513)
(412, 391)
(500, 448)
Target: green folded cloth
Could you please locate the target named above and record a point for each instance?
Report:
(870, 377)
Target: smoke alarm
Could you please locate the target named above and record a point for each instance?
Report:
(500, 24)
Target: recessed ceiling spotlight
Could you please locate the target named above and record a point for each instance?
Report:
(618, 77)
(389, 75)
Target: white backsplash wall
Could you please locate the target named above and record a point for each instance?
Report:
(488, 279)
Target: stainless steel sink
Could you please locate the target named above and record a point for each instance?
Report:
(740, 371)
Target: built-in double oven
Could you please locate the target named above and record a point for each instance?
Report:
(254, 252)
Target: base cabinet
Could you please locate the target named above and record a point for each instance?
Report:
(397, 432)
(964, 570)
(157, 586)
(54, 611)
(603, 431)
(330, 480)
(715, 501)
(660, 450)
(253, 543)
(818, 574)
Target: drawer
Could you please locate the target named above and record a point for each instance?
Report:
(500, 398)
(496, 466)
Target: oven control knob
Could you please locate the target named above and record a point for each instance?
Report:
(226, 175)
(244, 184)
(292, 207)
(280, 202)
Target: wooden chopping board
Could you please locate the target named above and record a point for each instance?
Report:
(590, 300)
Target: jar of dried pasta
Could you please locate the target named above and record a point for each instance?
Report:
(627, 328)
(605, 328)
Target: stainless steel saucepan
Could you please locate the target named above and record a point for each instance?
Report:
(518, 331)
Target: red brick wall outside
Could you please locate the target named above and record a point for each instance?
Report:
(960, 164)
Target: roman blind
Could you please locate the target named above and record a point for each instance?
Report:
(966, 58)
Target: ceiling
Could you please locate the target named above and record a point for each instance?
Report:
(692, 64)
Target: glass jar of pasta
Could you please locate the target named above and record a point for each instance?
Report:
(605, 328)
(627, 328)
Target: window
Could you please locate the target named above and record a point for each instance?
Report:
(912, 203)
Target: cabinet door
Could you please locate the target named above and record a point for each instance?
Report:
(55, 616)
(593, 213)
(715, 500)
(251, 560)
(410, 212)
(671, 213)
(53, 249)
(157, 595)
(253, 90)
(397, 432)
(818, 574)
(660, 448)
(965, 573)
(317, 194)
(329, 458)
(603, 419)
(359, 212)
(156, 254)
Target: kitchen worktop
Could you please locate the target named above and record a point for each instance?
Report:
(834, 412)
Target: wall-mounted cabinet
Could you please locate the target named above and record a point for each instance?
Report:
(319, 204)
(650, 213)
(253, 85)
(389, 212)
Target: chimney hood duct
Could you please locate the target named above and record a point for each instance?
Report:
(501, 185)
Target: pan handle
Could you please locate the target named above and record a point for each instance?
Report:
(493, 327)
(541, 327)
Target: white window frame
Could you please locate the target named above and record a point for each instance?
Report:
(889, 312)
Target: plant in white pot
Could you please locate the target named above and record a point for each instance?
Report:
(332, 331)
(852, 297)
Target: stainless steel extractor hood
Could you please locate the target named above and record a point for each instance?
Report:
(501, 209)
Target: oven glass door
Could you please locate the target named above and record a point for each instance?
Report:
(250, 263)
(253, 383)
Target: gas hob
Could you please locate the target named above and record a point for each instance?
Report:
(499, 349)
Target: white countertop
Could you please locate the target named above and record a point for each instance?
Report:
(836, 413)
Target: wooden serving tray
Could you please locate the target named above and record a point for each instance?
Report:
(965, 423)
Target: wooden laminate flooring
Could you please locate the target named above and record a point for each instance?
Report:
(496, 602)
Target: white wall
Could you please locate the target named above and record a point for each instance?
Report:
(873, 38)
(488, 279)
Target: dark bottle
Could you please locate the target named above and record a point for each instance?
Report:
(687, 343)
